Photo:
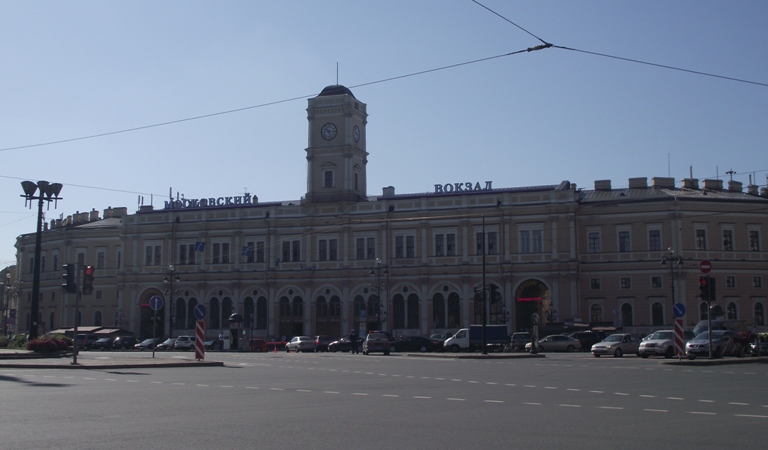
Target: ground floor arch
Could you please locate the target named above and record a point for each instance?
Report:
(532, 296)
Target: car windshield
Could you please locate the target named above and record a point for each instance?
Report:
(705, 334)
(147, 341)
(662, 335)
(614, 338)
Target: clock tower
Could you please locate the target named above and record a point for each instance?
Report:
(336, 156)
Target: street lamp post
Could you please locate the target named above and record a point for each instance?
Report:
(382, 310)
(48, 192)
(6, 298)
(170, 279)
(672, 261)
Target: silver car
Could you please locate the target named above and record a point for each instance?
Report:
(301, 344)
(556, 343)
(617, 345)
(662, 343)
(723, 343)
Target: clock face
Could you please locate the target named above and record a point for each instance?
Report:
(328, 131)
(356, 133)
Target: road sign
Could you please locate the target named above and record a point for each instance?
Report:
(362, 314)
(156, 303)
(200, 311)
(678, 310)
(679, 345)
(199, 338)
(705, 266)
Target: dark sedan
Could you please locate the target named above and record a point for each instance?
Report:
(104, 343)
(414, 344)
(122, 342)
(344, 345)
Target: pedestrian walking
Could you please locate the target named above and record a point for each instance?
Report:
(353, 340)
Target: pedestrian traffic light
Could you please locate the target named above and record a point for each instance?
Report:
(88, 279)
(69, 284)
(704, 288)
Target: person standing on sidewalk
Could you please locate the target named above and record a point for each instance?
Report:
(353, 341)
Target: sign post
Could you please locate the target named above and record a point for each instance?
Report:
(705, 267)
(156, 303)
(200, 332)
(679, 312)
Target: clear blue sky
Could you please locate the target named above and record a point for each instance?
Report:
(80, 68)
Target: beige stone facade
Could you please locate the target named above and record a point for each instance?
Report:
(318, 265)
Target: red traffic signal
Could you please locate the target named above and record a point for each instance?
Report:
(88, 279)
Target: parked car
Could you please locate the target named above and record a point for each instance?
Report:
(662, 343)
(760, 345)
(556, 343)
(104, 343)
(344, 345)
(723, 344)
(617, 345)
(123, 342)
(300, 344)
(439, 340)
(86, 340)
(147, 344)
(587, 339)
(184, 343)
(321, 343)
(414, 344)
(166, 344)
(257, 345)
(518, 340)
(377, 341)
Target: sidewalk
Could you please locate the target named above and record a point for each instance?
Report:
(24, 359)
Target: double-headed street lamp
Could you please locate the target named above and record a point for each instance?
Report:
(170, 278)
(672, 261)
(382, 310)
(48, 192)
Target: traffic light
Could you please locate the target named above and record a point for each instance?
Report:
(88, 279)
(704, 288)
(69, 284)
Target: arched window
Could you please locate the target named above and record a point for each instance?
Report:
(226, 310)
(478, 306)
(215, 313)
(358, 306)
(261, 313)
(596, 312)
(438, 311)
(321, 309)
(298, 308)
(495, 306)
(759, 315)
(97, 319)
(454, 310)
(657, 314)
(703, 311)
(190, 313)
(248, 317)
(398, 312)
(285, 308)
(626, 315)
(413, 312)
(181, 314)
(732, 313)
(334, 309)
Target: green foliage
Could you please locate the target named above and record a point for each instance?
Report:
(3, 341)
(18, 341)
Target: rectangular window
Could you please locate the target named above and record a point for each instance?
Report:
(225, 252)
(439, 245)
(701, 239)
(286, 251)
(370, 248)
(654, 240)
(538, 244)
(626, 283)
(491, 243)
(322, 250)
(260, 255)
(328, 179)
(249, 252)
(757, 282)
(479, 243)
(730, 281)
(754, 240)
(656, 282)
(594, 242)
(148, 255)
(450, 244)
(594, 283)
(55, 263)
(525, 241)
(399, 247)
(182, 254)
(296, 251)
(624, 244)
(360, 248)
(100, 260)
(216, 254)
(152, 255)
(158, 255)
(728, 240)
(333, 249)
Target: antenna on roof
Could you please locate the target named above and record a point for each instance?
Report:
(730, 172)
(337, 73)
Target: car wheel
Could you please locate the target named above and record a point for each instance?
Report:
(332, 349)
(643, 355)
(287, 350)
(596, 355)
(570, 348)
(618, 353)
(423, 349)
(455, 348)
(386, 353)
(718, 353)
(392, 348)
(691, 357)
(669, 353)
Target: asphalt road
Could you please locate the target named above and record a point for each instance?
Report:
(343, 401)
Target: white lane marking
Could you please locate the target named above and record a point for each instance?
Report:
(491, 383)
(201, 385)
(738, 404)
(473, 382)
(707, 401)
(455, 379)
(225, 386)
(251, 387)
(493, 401)
(620, 393)
(596, 392)
(610, 407)
(573, 390)
(550, 387)
(456, 399)
(702, 413)
(303, 390)
(390, 395)
(179, 384)
(510, 384)
(156, 382)
(131, 381)
(529, 386)
(276, 389)
(647, 396)
(330, 392)
(566, 405)
(675, 398)
(110, 379)
(656, 410)
(84, 378)
(532, 403)
(755, 416)
(421, 397)
(359, 393)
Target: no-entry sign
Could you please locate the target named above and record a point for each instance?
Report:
(705, 266)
